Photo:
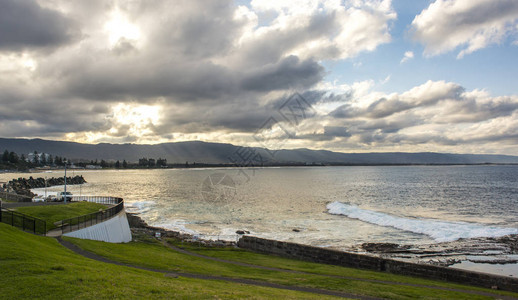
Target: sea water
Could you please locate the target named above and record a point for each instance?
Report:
(321, 206)
(325, 206)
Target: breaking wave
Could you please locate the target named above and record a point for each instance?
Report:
(441, 231)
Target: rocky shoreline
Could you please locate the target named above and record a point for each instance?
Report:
(501, 250)
(139, 227)
(487, 250)
(23, 186)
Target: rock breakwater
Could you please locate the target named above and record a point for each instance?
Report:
(23, 186)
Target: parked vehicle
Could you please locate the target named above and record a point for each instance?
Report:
(38, 199)
(61, 196)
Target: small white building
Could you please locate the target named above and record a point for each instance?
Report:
(93, 167)
(39, 157)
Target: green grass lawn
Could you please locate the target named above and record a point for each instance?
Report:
(322, 276)
(38, 267)
(54, 213)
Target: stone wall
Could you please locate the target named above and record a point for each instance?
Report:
(334, 257)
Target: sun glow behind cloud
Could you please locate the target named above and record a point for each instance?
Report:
(162, 71)
(119, 27)
(137, 120)
(127, 123)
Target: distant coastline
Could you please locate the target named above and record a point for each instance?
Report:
(196, 154)
(225, 166)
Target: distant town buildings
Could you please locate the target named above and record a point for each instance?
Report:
(41, 158)
(93, 167)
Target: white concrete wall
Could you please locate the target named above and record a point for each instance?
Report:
(114, 230)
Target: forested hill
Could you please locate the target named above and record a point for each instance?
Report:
(217, 153)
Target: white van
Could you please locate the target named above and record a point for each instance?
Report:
(61, 196)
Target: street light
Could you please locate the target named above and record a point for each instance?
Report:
(65, 181)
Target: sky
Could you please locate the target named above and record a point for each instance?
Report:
(339, 75)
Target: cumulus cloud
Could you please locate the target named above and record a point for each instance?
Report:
(469, 25)
(160, 71)
(433, 117)
(319, 29)
(207, 67)
(407, 56)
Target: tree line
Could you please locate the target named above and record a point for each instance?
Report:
(11, 160)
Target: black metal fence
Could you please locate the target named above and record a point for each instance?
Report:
(24, 222)
(98, 199)
(88, 220)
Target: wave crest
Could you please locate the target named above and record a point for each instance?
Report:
(441, 231)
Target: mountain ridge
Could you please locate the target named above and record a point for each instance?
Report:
(224, 153)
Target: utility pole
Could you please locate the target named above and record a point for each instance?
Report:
(65, 182)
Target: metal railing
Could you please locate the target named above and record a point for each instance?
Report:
(97, 199)
(24, 222)
(88, 220)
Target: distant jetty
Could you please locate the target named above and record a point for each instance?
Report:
(23, 186)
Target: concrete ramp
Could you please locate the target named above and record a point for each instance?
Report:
(114, 230)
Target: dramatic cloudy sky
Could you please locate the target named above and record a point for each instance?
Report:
(342, 75)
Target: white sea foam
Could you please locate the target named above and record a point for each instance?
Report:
(441, 231)
(139, 207)
(178, 225)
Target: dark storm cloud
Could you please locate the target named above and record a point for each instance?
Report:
(336, 131)
(243, 114)
(24, 24)
(188, 28)
(191, 69)
(109, 80)
(184, 80)
(346, 111)
(27, 111)
(290, 72)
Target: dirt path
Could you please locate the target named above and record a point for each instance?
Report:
(96, 257)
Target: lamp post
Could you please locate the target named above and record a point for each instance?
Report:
(65, 181)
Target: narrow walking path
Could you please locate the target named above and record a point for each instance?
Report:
(96, 257)
(165, 243)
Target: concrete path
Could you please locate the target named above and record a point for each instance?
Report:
(479, 293)
(56, 232)
(96, 257)
(90, 255)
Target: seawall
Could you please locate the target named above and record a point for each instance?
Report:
(353, 260)
(114, 230)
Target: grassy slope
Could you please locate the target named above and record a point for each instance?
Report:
(164, 258)
(54, 213)
(38, 267)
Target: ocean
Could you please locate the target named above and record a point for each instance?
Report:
(336, 207)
